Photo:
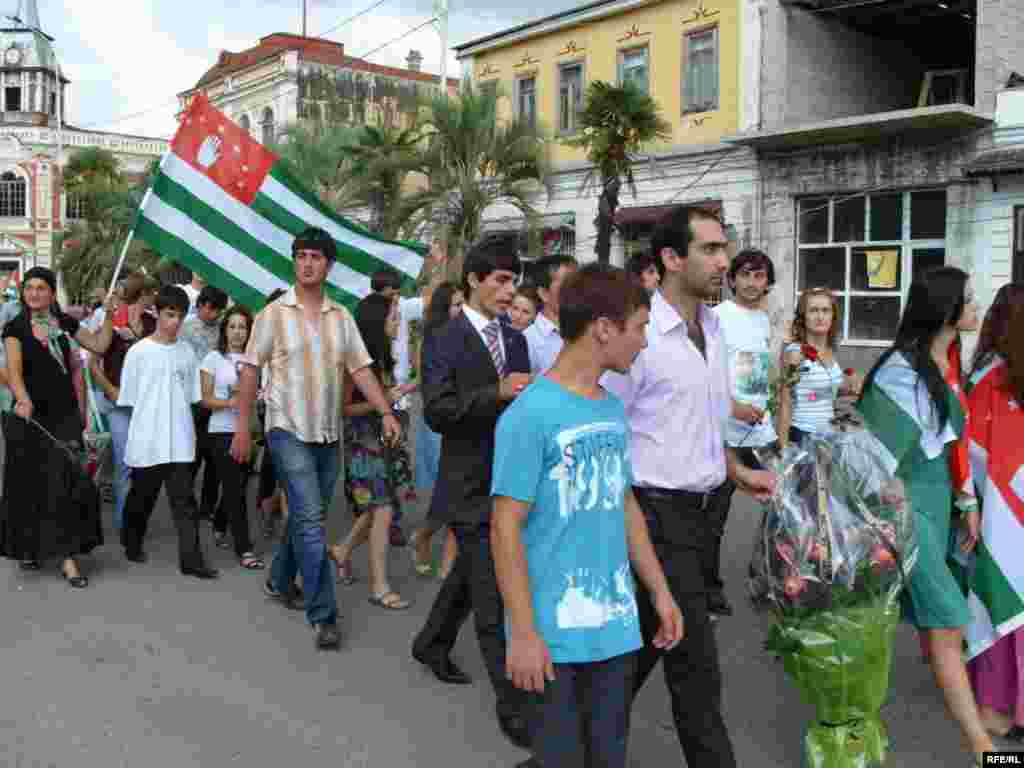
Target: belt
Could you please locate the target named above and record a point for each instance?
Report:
(699, 499)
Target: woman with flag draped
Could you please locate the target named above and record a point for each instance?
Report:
(995, 645)
(913, 402)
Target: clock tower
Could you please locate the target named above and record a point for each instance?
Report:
(30, 79)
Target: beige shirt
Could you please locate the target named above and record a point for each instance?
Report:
(307, 369)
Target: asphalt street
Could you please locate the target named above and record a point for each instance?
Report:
(150, 669)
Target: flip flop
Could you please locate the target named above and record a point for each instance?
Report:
(252, 562)
(381, 601)
(345, 574)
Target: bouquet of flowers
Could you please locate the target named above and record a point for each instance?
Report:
(835, 548)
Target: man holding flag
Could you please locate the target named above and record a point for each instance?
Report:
(225, 207)
(309, 342)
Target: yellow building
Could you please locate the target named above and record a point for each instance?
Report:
(686, 53)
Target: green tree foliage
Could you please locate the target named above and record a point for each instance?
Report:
(615, 123)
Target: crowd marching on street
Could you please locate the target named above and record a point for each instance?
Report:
(583, 431)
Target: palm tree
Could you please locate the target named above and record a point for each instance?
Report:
(89, 247)
(473, 161)
(615, 122)
(376, 167)
(315, 152)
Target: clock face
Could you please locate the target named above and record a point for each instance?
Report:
(12, 55)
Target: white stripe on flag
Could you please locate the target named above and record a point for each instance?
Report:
(398, 256)
(264, 230)
(220, 253)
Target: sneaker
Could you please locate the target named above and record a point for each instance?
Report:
(293, 600)
(328, 638)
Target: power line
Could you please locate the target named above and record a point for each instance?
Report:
(352, 18)
(404, 35)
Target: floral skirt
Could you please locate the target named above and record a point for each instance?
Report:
(376, 475)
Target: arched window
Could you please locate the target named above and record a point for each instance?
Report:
(243, 123)
(267, 126)
(12, 195)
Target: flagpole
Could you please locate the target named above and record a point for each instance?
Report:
(127, 243)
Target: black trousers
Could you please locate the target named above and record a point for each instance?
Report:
(472, 586)
(204, 457)
(681, 535)
(718, 516)
(234, 479)
(138, 508)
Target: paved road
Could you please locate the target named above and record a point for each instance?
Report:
(149, 669)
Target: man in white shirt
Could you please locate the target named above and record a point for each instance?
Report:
(542, 337)
(160, 383)
(747, 330)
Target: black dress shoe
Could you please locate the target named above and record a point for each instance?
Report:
(516, 730)
(201, 572)
(30, 565)
(328, 637)
(718, 605)
(531, 763)
(136, 557)
(443, 668)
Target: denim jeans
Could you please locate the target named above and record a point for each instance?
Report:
(119, 419)
(582, 718)
(308, 472)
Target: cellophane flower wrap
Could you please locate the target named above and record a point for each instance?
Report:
(834, 550)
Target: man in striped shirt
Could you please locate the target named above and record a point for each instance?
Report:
(309, 343)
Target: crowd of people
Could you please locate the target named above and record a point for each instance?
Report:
(582, 435)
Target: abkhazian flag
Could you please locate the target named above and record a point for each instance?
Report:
(224, 206)
(996, 576)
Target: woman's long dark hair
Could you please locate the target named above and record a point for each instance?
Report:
(222, 338)
(936, 299)
(371, 319)
(1002, 333)
(439, 310)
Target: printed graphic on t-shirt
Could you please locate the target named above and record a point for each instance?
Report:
(750, 375)
(591, 479)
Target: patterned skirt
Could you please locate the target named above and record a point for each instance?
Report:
(376, 475)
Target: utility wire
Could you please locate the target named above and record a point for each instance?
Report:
(404, 35)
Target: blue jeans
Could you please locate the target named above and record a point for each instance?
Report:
(119, 419)
(308, 472)
(582, 718)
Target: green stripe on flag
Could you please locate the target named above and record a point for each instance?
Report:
(223, 228)
(888, 422)
(993, 589)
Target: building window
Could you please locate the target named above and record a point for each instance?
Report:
(74, 207)
(570, 96)
(634, 68)
(12, 195)
(12, 99)
(267, 127)
(1018, 244)
(867, 249)
(526, 99)
(489, 89)
(244, 123)
(700, 71)
(53, 103)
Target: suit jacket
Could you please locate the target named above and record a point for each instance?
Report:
(461, 403)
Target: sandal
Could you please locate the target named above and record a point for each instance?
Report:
(423, 568)
(345, 574)
(396, 603)
(252, 562)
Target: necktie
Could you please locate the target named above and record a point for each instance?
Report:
(491, 331)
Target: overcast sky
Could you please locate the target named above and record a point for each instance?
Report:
(135, 56)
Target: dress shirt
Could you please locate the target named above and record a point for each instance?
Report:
(479, 322)
(304, 389)
(677, 403)
(544, 342)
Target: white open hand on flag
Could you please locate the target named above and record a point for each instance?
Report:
(209, 152)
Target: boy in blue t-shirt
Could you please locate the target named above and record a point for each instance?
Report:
(566, 528)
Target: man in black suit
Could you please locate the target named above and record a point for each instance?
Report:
(472, 369)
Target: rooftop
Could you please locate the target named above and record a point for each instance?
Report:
(311, 49)
(996, 161)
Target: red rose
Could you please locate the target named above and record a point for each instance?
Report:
(809, 352)
(849, 371)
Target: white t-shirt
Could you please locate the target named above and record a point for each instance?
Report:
(224, 370)
(747, 335)
(160, 382)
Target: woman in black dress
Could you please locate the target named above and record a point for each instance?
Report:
(49, 509)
